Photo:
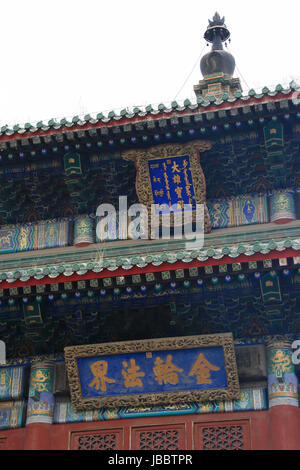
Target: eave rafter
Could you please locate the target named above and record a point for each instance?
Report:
(203, 111)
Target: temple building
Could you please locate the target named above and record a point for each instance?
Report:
(152, 343)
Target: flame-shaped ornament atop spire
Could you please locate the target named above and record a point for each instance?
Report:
(217, 20)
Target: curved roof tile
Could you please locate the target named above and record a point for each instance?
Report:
(148, 110)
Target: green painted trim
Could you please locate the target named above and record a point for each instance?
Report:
(128, 254)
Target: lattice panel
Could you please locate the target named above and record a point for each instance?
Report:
(159, 438)
(228, 435)
(106, 439)
(3, 443)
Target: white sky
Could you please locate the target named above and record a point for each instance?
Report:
(68, 57)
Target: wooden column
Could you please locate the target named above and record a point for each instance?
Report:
(284, 413)
(40, 411)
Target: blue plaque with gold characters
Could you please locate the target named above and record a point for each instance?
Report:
(172, 183)
(171, 370)
(170, 176)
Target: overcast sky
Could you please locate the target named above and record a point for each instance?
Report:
(60, 58)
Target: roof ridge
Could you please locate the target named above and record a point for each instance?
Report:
(132, 111)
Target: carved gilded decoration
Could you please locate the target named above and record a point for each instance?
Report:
(74, 354)
(141, 158)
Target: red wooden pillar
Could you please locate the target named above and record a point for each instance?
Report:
(284, 413)
(38, 436)
(40, 410)
(284, 428)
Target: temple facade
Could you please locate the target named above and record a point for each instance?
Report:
(116, 337)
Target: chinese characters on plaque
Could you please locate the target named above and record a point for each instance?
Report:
(162, 371)
(151, 372)
(171, 182)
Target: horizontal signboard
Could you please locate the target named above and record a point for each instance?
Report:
(170, 370)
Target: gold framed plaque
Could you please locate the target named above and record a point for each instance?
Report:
(171, 174)
(164, 371)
